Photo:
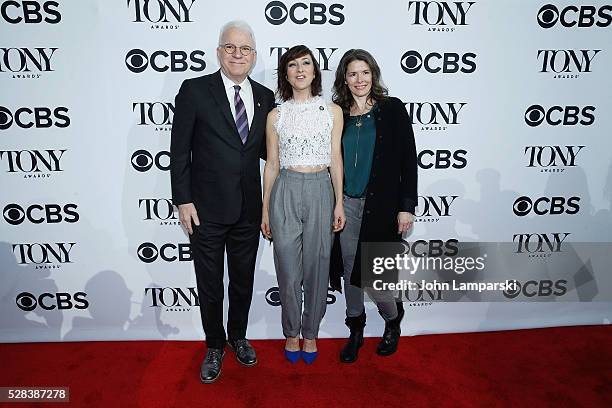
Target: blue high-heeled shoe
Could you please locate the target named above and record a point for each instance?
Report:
(309, 357)
(292, 356)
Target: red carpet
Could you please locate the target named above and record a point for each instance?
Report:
(569, 366)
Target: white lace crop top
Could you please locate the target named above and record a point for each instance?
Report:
(304, 133)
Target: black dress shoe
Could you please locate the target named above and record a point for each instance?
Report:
(350, 351)
(245, 353)
(210, 370)
(390, 340)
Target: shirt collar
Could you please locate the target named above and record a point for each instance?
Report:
(229, 84)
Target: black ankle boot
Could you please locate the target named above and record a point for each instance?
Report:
(350, 351)
(388, 343)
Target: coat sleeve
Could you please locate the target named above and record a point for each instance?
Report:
(336, 265)
(263, 152)
(408, 159)
(180, 145)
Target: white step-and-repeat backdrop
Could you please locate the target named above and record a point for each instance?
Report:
(511, 104)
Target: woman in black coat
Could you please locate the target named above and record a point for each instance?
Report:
(380, 191)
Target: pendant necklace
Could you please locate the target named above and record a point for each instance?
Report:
(363, 112)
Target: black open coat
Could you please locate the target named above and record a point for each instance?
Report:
(392, 186)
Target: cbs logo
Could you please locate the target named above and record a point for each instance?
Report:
(49, 301)
(138, 61)
(301, 13)
(43, 117)
(544, 205)
(446, 63)
(559, 115)
(533, 288)
(570, 16)
(14, 214)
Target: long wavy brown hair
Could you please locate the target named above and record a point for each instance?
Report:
(284, 90)
(342, 94)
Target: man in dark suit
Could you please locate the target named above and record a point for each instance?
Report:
(218, 136)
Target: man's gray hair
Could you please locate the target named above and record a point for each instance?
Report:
(238, 25)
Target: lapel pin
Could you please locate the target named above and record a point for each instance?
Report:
(258, 105)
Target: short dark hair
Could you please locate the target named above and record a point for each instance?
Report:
(342, 94)
(284, 90)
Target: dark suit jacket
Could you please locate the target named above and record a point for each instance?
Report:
(392, 187)
(209, 165)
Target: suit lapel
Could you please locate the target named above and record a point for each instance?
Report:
(258, 111)
(218, 92)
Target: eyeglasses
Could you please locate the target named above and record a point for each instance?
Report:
(244, 49)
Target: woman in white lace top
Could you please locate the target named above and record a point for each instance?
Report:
(302, 203)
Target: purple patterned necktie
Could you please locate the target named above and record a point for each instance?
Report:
(242, 121)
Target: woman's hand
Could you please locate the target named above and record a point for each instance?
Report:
(404, 221)
(265, 225)
(339, 218)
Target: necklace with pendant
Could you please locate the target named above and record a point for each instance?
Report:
(359, 122)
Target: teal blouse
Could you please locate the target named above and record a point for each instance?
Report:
(358, 148)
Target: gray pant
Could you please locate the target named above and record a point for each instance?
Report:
(301, 216)
(349, 239)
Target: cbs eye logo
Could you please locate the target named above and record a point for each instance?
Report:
(522, 206)
(147, 252)
(535, 115)
(411, 62)
(137, 61)
(548, 16)
(273, 296)
(143, 160)
(14, 214)
(276, 12)
(26, 301)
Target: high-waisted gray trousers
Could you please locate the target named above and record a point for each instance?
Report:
(301, 216)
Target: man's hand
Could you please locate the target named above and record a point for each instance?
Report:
(187, 214)
(404, 221)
